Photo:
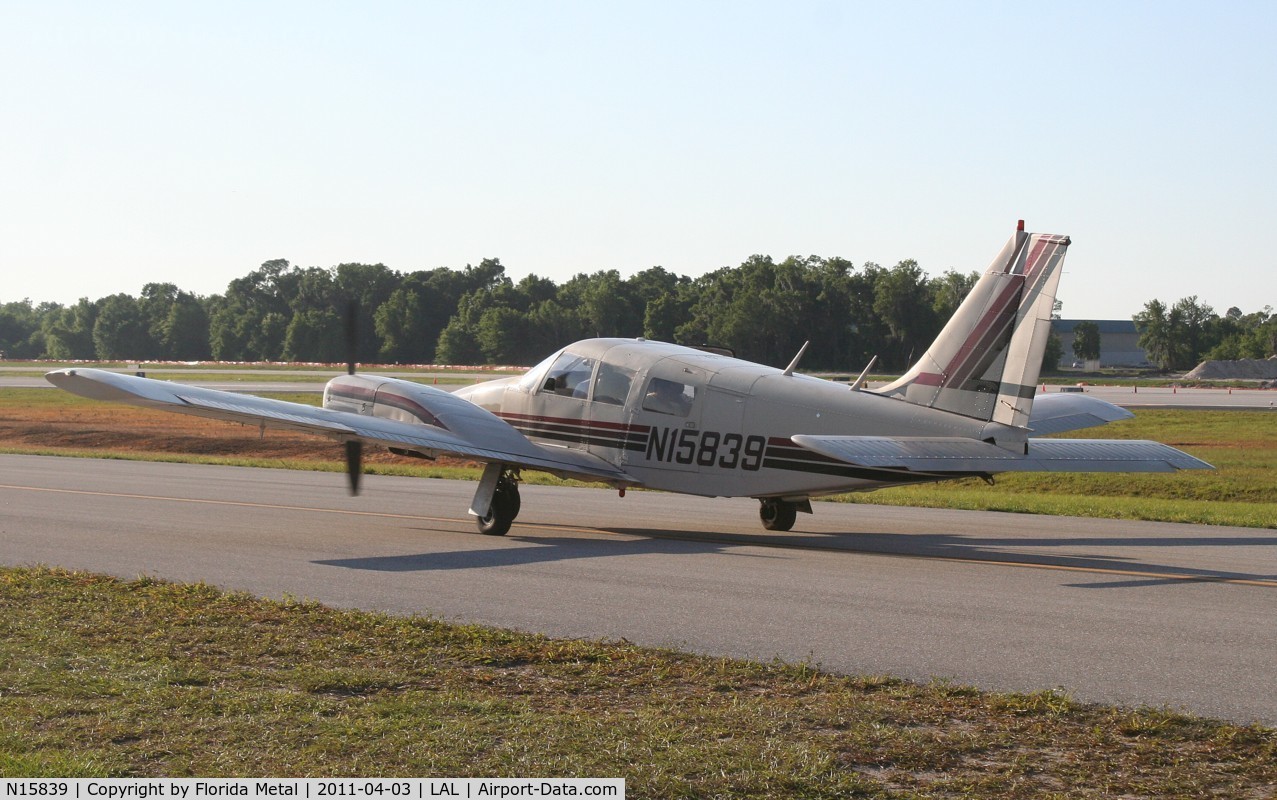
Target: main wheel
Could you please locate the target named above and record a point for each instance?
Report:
(777, 515)
(505, 507)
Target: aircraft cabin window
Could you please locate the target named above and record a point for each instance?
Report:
(612, 385)
(534, 378)
(669, 397)
(569, 376)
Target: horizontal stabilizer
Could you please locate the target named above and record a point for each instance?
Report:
(1056, 413)
(955, 454)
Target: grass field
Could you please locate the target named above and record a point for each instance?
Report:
(100, 677)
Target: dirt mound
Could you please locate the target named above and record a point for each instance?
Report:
(1246, 369)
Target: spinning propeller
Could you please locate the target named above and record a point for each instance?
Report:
(354, 447)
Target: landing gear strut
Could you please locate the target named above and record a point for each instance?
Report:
(777, 515)
(504, 507)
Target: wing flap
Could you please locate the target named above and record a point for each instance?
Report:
(955, 454)
(475, 433)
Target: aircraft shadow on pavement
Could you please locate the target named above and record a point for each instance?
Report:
(1086, 552)
(510, 551)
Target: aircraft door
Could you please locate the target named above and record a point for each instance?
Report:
(609, 433)
(665, 415)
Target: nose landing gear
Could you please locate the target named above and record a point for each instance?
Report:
(503, 507)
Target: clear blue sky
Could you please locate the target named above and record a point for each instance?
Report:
(189, 142)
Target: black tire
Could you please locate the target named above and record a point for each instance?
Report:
(505, 507)
(777, 515)
(512, 499)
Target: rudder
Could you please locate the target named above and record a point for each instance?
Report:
(985, 363)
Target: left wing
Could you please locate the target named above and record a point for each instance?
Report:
(957, 454)
(459, 427)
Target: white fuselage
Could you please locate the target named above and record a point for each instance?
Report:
(727, 432)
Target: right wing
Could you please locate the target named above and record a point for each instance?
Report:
(459, 427)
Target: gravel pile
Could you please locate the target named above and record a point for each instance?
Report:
(1246, 369)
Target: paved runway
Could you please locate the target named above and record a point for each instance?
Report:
(1122, 612)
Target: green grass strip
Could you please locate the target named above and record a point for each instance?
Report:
(102, 677)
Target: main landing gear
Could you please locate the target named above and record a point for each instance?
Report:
(779, 515)
(504, 506)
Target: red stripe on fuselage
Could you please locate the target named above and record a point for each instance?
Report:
(571, 422)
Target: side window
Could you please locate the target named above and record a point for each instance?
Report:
(533, 379)
(669, 397)
(612, 385)
(569, 376)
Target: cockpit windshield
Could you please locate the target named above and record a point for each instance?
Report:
(569, 375)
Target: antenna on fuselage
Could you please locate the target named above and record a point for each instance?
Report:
(790, 369)
(859, 382)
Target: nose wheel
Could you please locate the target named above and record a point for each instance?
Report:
(504, 508)
(777, 515)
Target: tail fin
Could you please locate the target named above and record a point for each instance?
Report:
(986, 361)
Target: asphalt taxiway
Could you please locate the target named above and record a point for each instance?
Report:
(1120, 612)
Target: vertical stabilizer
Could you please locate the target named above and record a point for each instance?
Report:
(986, 361)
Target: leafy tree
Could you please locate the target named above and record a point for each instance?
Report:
(1156, 335)
(119, 332)
(1195, 326)
(20, 334)
(903, 303)
(534, 290)
(154, 305)
(502, 336)
(315, 335)
(458, 344)
(369, 286)
(663, 315)
(176, 322)
(869, 335)
(1052, 354)
(250, 321)
(459, 340)
(755, 310)
(551, 326)
(184, 334)
(1086, 341)
(948, 291)
(402, 328)
(68, 332)
(606, 305)
(1176, 338)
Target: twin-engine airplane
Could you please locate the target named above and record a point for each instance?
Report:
(634, 413)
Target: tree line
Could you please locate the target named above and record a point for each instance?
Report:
(1182, 335)
(762, 309)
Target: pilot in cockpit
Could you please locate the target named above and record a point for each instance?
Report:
(666, 397)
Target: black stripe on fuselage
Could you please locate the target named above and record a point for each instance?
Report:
(784, 455)
(578, 431)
